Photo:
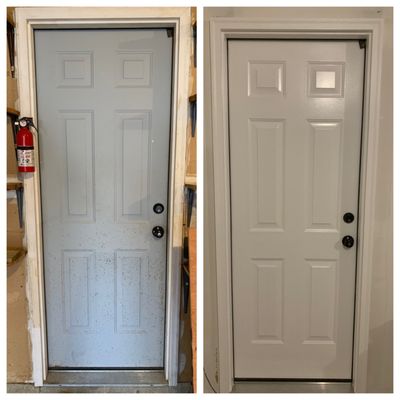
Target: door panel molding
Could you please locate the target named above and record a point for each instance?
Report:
(222, 29)
(29, 19)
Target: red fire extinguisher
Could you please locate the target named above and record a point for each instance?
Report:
(25, 149)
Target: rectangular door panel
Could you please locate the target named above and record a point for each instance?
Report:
(131, 276)
(266, 157)
(79, 166)
(77, 291)
(322, 309)
(324, 186)
(295, 111)
(132, 155)
(104, 123)
(269, 301)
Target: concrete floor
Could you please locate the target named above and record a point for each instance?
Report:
(292, 387)
(29, 388)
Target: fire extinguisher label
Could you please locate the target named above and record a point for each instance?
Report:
(25, 158)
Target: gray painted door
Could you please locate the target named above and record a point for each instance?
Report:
(104, 123)
(295, 129)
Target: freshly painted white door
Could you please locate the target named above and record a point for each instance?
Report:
(295, 110)
(104, 122)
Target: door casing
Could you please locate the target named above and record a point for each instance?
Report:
(222, 29)
(29, 19)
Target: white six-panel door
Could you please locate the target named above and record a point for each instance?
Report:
(295, 110)
(104, 122)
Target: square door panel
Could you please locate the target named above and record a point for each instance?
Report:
(325, 79)
(133, 69)
(74, 69)
(266, 78)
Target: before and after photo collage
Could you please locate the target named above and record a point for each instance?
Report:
(199, 198)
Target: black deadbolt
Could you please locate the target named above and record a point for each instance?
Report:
(158, 232)
(348, 218)
(348, 241)
(158, 208)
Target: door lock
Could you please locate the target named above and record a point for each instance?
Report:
(348, 241)
(348, 218)
(158, 232)
(158, 208)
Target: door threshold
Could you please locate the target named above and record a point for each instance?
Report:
(106, 378)
(291, 386)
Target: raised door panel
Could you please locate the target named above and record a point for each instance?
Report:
(266, 179)
(321, 318)
(324, 176)
(132, 158)
(79, 152)
(78, 291)
(269, 301)
(131, 291)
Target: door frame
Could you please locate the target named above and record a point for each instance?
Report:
(222, 29)
(29, 19)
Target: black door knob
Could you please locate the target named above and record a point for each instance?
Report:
(348, 241)
(158, 232)
(158, 208)
(348, 218)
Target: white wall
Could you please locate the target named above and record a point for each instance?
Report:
(380, 358)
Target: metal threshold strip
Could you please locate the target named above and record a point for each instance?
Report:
(138, 378)
(291, 386)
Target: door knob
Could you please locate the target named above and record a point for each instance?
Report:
(348, 218)
(158, 232)
(348, 241)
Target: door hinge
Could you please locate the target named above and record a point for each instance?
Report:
(170, 32)
(362, 43)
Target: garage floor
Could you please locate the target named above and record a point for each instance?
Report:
(29, 388)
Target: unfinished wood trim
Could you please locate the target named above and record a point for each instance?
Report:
(105, 17)
(13, 111)
(13, 179)
(191, 180)
(10, 16)
(193, 15)
(14, 185)
(353, 28)
(193, 300)
(14, 256)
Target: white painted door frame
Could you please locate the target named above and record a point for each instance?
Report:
(29, 19)
(222, 29)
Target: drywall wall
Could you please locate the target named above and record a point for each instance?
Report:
(18, 351)
(380, 361)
